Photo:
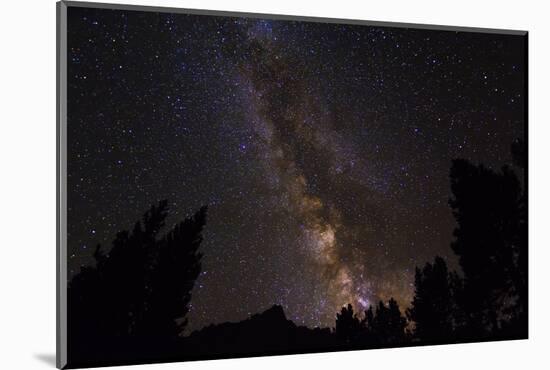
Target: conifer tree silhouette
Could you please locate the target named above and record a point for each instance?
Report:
(348, 325)
(385, 327)
(389, 323)
(490, 243)
(177, 267)
(138, 289)
(368, 326)
(432, 308)
(518, 320)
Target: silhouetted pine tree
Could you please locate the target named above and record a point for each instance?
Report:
(137, 289)
(387, 326)
(368, 335)
(432, 308)
(490, 244)
(458, 297)
(176, 269)
(348, 326)
(368, 321)
(516, 314)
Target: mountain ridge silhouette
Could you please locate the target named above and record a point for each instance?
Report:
(269, 331)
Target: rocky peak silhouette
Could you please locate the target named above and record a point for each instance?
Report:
(275, 313)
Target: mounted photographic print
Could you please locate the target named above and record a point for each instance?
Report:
(235, 185)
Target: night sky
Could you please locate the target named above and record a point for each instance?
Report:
(322, 150)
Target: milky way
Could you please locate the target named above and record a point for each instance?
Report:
(282, 102)
(322, 150)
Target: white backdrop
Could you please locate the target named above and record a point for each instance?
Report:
(27, 154)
